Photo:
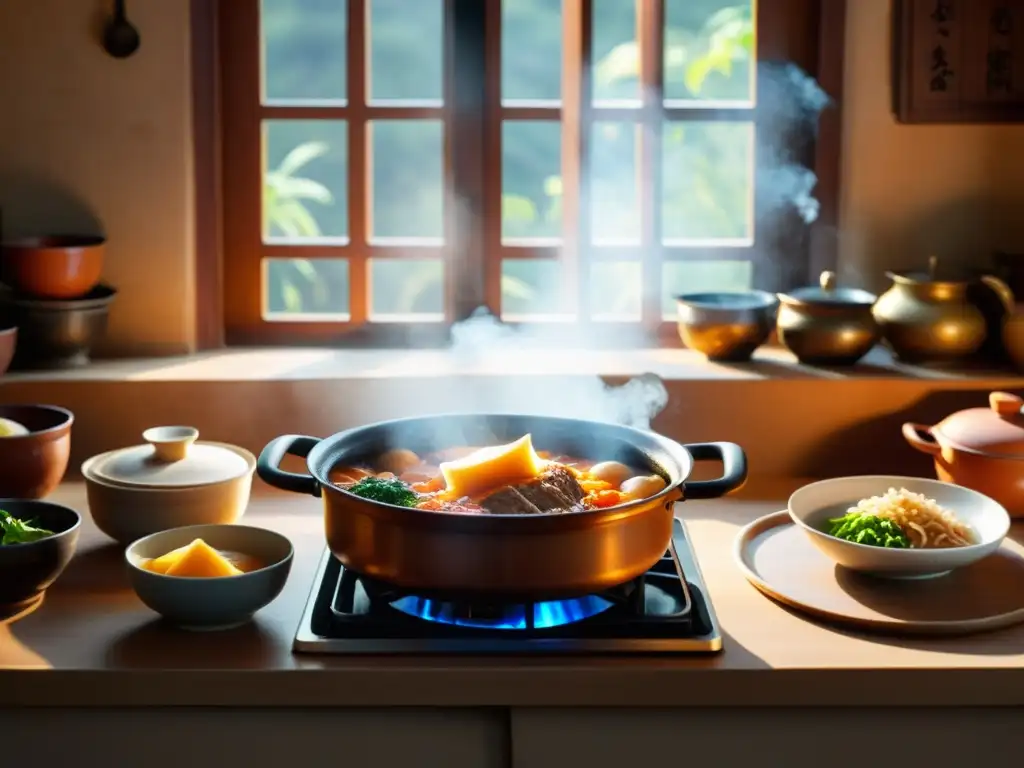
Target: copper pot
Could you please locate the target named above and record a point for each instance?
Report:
(979, 448)
(528, 556)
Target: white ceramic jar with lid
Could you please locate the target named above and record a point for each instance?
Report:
(173, 480)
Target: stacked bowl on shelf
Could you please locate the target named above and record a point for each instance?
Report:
(52, 300)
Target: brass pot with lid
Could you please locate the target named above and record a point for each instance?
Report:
(979, 448)
(827, 325)
(929, 317)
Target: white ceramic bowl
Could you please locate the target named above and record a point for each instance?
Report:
(813, 505)
(126, 514)
(183, 485)
(211, 603)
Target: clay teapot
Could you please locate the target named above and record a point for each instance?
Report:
(979, 448)
(931, 317)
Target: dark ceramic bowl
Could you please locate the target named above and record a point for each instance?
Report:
(27, 570)
(8, 343)
(53, 267)
(32, 465)
(56, 334)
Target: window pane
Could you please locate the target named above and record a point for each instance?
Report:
(305, 187)
(709, 50)
(531, 50)
(406, 40)
(616, 53)
(305, 289)
(304, 50)
(615, 200)
(408, 179)
(532, 288)
(531, 173)
(406, 289)
(702, 276)
(616, 290)
(708, 182)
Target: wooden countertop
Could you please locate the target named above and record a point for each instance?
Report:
(92, 643)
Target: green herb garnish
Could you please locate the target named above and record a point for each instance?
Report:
(868, 529)
(17, 531)
(386, 490)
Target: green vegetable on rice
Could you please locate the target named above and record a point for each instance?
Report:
(871, 530)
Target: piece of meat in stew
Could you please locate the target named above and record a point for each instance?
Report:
(553, 491)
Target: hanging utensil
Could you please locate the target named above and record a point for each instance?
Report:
(120, 37)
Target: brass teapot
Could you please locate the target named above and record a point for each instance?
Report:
(931, 318)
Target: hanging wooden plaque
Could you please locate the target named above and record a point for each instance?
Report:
(958, 61)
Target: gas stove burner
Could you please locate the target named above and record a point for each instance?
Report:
(666, 610)
(556, 613)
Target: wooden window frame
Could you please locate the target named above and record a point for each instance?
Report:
(226, 133)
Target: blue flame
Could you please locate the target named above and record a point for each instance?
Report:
(556, 613)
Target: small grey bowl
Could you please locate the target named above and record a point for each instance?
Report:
(211, 603)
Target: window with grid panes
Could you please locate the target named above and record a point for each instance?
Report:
(391, 165)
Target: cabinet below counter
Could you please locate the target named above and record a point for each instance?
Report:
(718, 737)
(93, 644)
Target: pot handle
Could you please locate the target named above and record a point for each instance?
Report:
(269, 469)
(920, 437)
(734, 470)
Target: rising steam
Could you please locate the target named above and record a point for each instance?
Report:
(482, 338)
(790, 103)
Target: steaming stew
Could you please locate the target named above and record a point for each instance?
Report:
(509, 479)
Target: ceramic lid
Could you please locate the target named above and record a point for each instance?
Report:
(171, 458)
(828, 292)
(997, 430)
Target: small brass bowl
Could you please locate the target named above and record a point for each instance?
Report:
(726, 326)
(827, 325)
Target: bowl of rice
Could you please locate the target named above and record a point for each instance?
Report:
(899, 527)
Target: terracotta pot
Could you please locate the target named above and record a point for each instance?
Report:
(979, 448)
(58, 267)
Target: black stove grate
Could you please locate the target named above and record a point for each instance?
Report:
(664, 610)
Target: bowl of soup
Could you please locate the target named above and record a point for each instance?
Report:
(205, 577)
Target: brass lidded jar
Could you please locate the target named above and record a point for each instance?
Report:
(827, 325)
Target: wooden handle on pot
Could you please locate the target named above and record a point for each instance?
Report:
(920, 437)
